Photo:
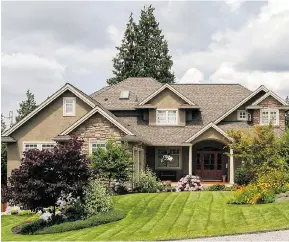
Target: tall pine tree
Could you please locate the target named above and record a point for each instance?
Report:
(144, 51)
(125, 62)
(26, 106)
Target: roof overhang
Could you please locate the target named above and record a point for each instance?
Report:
(203, 130)
(261, 88)
(62, 138)
(143, 102)
(121, 109)
(189, 107)
(131, 138)
(66, 87)
(92, 112)
(254, 107)
(146, 107)
(7, 139)
(272, 94)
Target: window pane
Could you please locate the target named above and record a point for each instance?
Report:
(265, 117)
(69, 108)
(172, 117)
(30, 146)
(209, 161)
(161, 117)
(219, 162)
(198, 161)
(173, 152)
(47, 146)
(273, 117)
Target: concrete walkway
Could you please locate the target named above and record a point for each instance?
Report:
(282, 235)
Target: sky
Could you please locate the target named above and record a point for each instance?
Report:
(46, 44)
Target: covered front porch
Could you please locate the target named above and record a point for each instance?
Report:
(206, 155)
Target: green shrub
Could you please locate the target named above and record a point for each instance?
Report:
(253, 194)
(147, 182)
(243, 176)
(14, 212)
(232, 188)
(216, 187)
(96, 198)
(75, 211)
(25, 212)
(98, 219)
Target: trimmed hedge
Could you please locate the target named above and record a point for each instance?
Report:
(101, 218)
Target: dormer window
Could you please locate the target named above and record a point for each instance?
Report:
(69, 106)
(242, 115)
(167, 117)
(124, 95)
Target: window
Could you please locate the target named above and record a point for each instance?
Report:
(242, 115)
(124, 95)
(38, 145)
(167, 117)
(93, 145)
(69, 106)
(173, 152)
(269, 115)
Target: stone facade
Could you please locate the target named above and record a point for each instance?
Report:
(97, 128)
(270, 102)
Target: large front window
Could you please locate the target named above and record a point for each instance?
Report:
(168, 158)
(167, 117)
(269, 115)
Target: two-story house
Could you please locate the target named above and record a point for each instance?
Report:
(186, 121)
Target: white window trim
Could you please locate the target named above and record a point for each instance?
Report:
(93, 141)
(269, 113)
(73, 106)
(167, 109)
(169, 168)
(38, 143)
(242, 119)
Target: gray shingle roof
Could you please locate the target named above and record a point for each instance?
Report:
(213, 100)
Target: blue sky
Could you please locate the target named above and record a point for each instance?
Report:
(45, 44)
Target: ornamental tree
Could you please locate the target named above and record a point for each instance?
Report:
(114, 162)
(44, 175)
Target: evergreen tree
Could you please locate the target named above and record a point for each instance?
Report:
(125, 61)
(144, 51)
(26, 106)
(3, 155)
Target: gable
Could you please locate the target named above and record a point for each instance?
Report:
(270, 98)
(167, 99)
(160, 90)
(49, 121)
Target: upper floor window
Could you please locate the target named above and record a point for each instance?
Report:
(69, 106)
(269, 115)
(94, 145)
(242, 115)
(167, 117)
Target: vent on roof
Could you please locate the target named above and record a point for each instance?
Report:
(124, 95)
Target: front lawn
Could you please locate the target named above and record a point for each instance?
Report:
(166, 216)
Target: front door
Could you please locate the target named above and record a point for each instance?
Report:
(210, 165)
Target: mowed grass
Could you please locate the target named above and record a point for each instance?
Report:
(166, 216)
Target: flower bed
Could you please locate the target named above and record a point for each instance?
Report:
(189, 183)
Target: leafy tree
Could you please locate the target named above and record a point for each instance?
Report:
(3, 155)
(44, 175)
(259, 149)
(26, 106)
(114, 162)
(287, 114)
(144, 51)
(124, 63)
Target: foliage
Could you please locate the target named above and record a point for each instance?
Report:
(189, 183)
(253, 194)
(97, 199)
(3, 164)
(243, 176)
(144, 51)
(26, 106)
(44, 175)
(284, 146)
(259, 149)
(147, 182)
(14, 212)
(4, 194)
(216, 187)
(25, 212)
(114, 162)
(98, 219)
(287, 114)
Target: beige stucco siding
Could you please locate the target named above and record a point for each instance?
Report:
(97, 128)
(44, 126)
(167, 100)
(211, 134)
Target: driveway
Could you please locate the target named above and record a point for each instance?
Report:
(282, 235)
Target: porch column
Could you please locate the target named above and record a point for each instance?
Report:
(231, 180)
(190, 159)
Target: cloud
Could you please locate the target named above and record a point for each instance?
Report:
(192, 75)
